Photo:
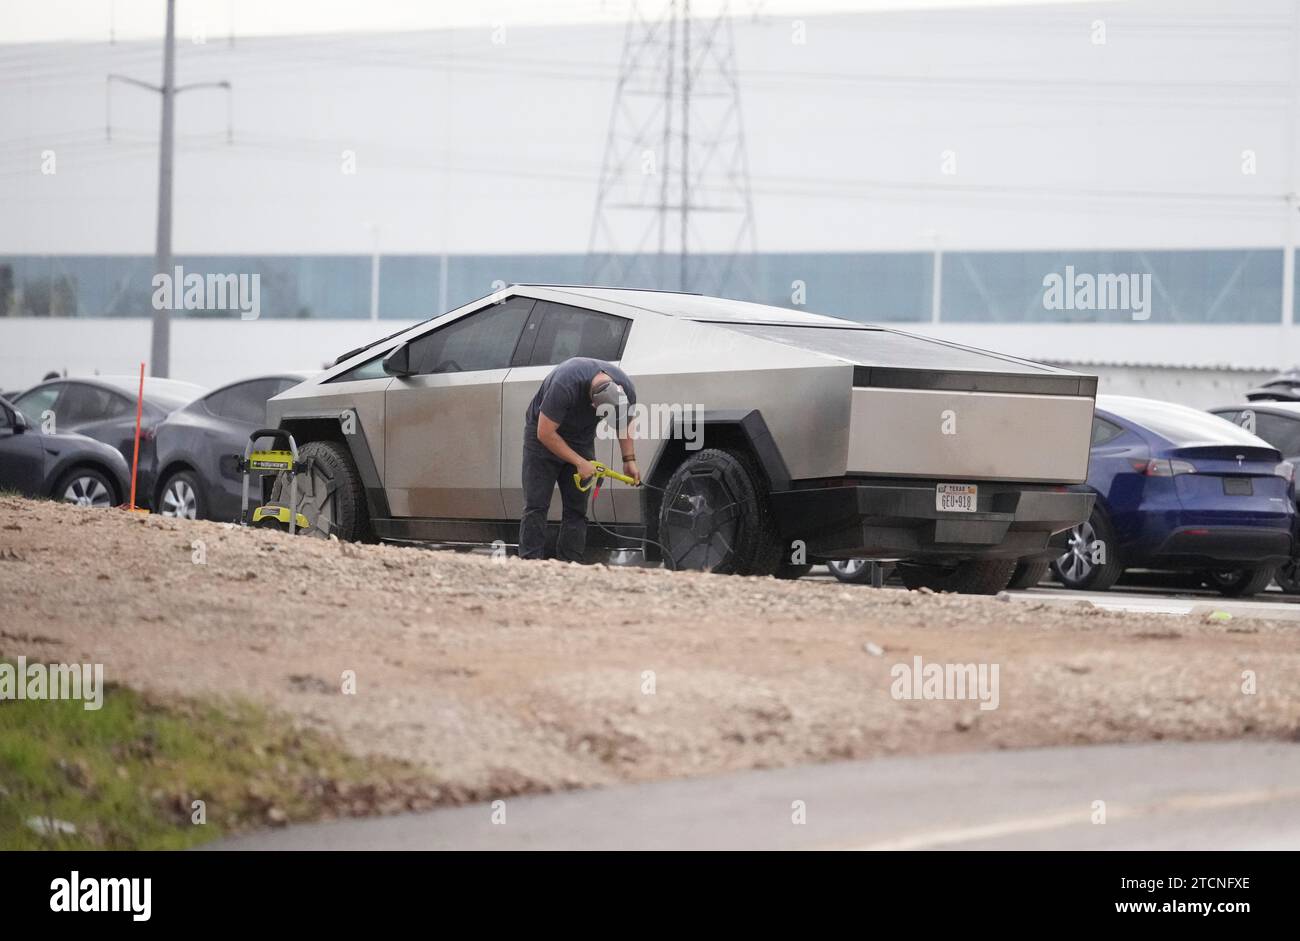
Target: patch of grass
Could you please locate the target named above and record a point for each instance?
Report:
(126, 776)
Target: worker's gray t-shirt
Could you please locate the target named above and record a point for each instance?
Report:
(565, 398)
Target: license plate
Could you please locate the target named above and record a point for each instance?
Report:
(1238, 487)
(955, 498)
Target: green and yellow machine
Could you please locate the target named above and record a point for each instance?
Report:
(273, 461)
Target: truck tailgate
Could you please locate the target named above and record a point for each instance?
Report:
(970, 435)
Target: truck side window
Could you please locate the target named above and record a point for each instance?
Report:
(572, 331)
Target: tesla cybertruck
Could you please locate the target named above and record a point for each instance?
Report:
(769, 439)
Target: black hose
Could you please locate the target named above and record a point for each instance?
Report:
(662, 549)
(601, 526)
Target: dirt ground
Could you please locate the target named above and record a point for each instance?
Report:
(501, 677)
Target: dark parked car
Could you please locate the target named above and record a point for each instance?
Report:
(103, 408)
(1180, 489)
(1278, 423)
(195, 447)
(67, 467)
(1284, 387)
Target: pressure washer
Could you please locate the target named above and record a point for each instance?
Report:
(274, 461)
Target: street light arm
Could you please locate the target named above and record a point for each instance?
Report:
(193, 85)
(134, 81)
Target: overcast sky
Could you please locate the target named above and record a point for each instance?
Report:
(97, 20)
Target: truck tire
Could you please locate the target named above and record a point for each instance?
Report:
(331, 496)
(1240, 583)
(715, 517)
(1028, 573)
(971, 577)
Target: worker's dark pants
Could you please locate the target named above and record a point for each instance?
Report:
(542, 470)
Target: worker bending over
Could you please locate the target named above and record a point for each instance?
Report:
(559, 438)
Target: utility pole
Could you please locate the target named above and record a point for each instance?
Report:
(673, 206)
(686, 139)
(374, 269)
(160, 338)
(160, 333)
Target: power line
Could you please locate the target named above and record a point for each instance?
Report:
(320, 152)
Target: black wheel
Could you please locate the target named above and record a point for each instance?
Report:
(1091, 562)
(330, 495)
(715, 517)
(1028, 574)
(1240, 583)
(1288, 577)
(182, 497)
(970, 577)
(85, 486)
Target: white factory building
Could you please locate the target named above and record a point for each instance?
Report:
(1096, 183)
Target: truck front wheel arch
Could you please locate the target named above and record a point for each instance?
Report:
(327, 427)
(741, 433)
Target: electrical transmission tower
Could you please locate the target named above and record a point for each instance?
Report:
(673, 206)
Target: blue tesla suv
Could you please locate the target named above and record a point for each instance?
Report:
(1179, 488)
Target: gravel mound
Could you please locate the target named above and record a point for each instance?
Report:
(504, 677)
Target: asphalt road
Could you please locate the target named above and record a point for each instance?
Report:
(1168, 796)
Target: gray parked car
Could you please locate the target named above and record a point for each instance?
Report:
(196, 448)
(68, 467)
(780, 438)
(103, 408)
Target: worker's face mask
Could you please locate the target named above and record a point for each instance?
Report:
(610, 402)
(609, 394)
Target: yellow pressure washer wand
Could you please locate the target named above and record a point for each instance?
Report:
(601, 471)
